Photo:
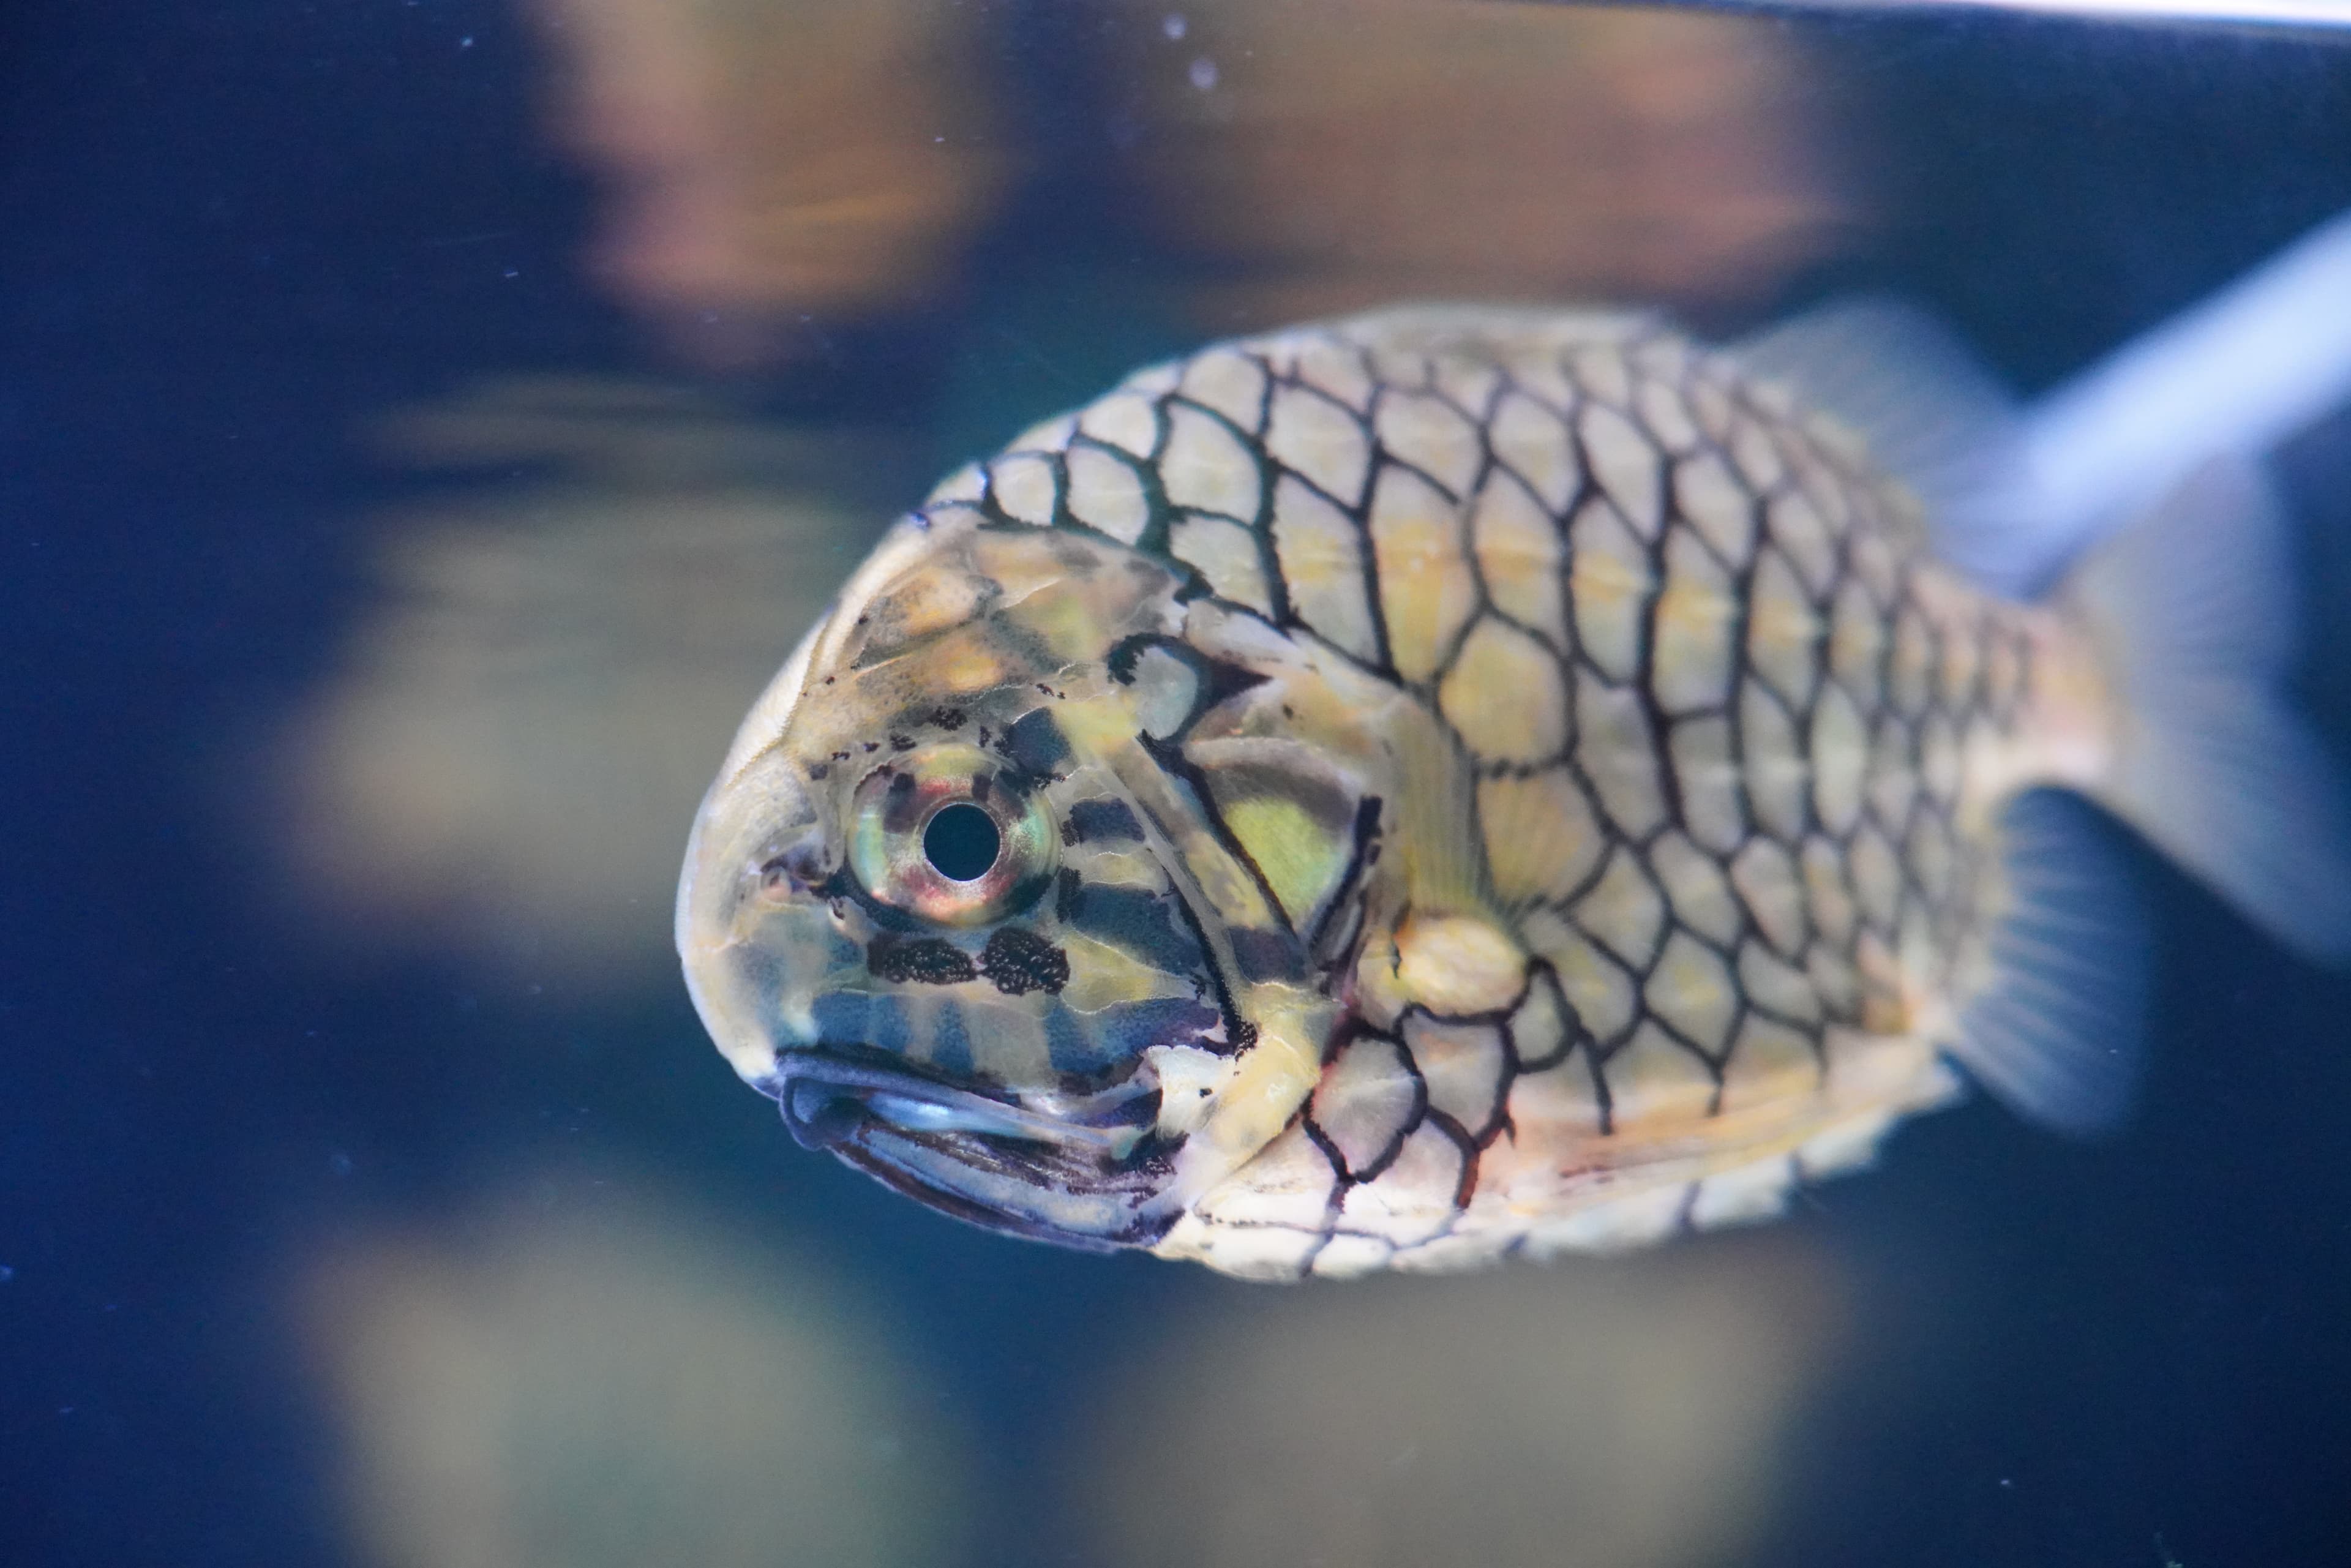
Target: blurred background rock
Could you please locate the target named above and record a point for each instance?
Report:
(624, 1385)
(1627, 1412)
(504, 763)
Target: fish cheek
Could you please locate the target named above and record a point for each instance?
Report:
(1300, 822)
(1301, 855)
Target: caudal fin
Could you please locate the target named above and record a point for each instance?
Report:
(2193, 610)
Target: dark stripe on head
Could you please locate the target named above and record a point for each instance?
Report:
(1066, 1044)
(1365, 854)
(898, 803)
(843, 885)
(951, 1041)
(1102, 820)
(1141, 923)
(1124, 1030)
(842, 1017)
(887, 1027)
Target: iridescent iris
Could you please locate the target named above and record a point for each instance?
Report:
(943, 833)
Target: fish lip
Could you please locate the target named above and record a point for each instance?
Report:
(810, 1084)
(1089, 1184)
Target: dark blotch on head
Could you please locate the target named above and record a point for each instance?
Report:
(800, 869)
(948, 718)
(1218, 680)
(1036, 743)
(1100, 820)
(898, 803)
(1069, 895)
(1020, 961)
(927, 961)
(1263, 954)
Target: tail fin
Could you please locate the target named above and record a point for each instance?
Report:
(2193, 610)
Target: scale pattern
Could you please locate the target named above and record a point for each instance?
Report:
(1731, 731)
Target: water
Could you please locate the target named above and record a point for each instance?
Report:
(422, 430)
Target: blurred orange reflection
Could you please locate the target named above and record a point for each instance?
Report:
(1349, 152)
(764, 158)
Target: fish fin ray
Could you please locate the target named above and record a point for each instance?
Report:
(2055, 1033)
(2194, 608)
(1930, 413)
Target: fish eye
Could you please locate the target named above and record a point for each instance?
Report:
(961, 842)
(943, 834)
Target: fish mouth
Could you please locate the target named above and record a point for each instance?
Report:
(1081, 1174)
(825, 1095)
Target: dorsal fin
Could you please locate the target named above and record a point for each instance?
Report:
(1929, 414)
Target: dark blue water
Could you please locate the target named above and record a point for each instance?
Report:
(232, 236)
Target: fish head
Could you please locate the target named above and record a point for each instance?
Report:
(953, 902)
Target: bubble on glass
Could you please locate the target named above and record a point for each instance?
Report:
(1204, 73)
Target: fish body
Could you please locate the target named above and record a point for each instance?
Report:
(1437, 785)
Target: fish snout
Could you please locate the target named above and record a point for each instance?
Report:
(750, 909)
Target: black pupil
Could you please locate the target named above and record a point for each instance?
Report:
(961, 842)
